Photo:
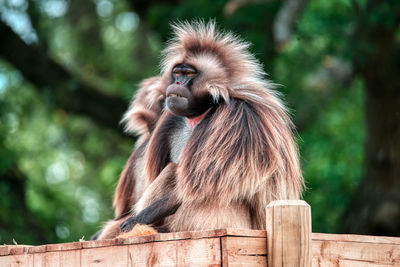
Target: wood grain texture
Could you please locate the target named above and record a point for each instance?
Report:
(114, 256)
(14, 249)
(288, 225)
(16, 260)
(244, 251)
(225, 247)
(70, 258)
(153, 254)
(99, 243)
(345, 253)
(64, 246)
(191, 235)
(21, 249)
(357, 238)
(200, 252)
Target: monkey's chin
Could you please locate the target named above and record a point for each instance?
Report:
(178, 105)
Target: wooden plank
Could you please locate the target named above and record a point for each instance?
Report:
(191, 235)
(229, 247)
(99, 243)
(275, 250)
(153, 254)
(246, 232)
(291, 235)
(20, 249)
(37, 249)
(64, 246)
(244, 251)
(356, 253)
(357, 238)
(114, 256)
(71, 258)
(199, 252)
(4, 250)
(25, 260)
(13, 249)
(288, 227)
(45, 259)
(305, 235)
(344, 263)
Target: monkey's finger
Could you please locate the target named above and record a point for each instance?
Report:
(139, 230)
(128, 224)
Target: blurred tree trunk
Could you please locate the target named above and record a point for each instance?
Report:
(375, 206)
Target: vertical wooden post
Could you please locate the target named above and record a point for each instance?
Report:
(289, 233)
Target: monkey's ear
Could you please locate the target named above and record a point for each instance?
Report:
(146, 108)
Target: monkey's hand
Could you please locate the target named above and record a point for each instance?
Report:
(161, 208)
(128, 224)
(139, 230)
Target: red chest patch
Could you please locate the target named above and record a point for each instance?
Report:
(194, 121)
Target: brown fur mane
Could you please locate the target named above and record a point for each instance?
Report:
(124, 197)
(254, 146)
(237, 159)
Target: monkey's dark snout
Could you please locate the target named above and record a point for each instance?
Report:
(178, 98)
(178, 90)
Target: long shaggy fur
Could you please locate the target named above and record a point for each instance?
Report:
(241, 155)
(243, 150)
(140, 119)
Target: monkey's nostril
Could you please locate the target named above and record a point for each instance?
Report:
(178, 83)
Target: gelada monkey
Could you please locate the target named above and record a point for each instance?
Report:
(222, 147)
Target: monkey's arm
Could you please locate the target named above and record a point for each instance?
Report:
(157, 202)
(161, 208)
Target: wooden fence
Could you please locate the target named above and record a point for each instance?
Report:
(288, 241)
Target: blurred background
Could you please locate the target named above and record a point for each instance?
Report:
(68, 69)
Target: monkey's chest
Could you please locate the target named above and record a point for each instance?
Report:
(178, 139)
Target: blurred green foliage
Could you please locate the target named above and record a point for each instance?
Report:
(70, 165)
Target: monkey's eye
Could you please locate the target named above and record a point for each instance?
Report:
(189, 73)
(176, 72)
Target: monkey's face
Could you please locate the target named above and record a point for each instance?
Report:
(181, 100)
